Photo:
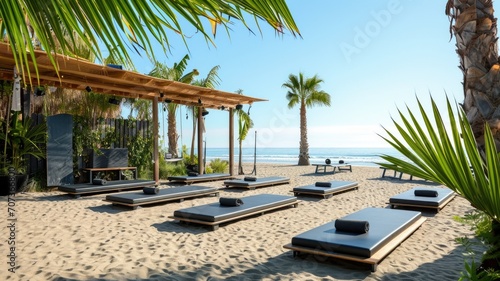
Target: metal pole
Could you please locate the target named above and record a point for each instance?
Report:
(255, 155)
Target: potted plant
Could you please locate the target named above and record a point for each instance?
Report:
(19, 139)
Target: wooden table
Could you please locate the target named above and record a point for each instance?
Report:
(321, 168)
(110, 169)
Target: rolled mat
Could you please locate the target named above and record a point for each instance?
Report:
(352, 226)
(192, 174)
(426, 193)
(323, 184)
(226, 201)
(99, 181)
(327, 161)
(150, 190)
(250, 179)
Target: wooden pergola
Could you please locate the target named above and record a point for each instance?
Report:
(78, 74)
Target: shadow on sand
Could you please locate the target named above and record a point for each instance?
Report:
(285, 266)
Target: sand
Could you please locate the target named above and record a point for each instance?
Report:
(61, 238)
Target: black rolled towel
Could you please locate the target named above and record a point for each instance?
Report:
(192, 174)
(233, 202)
(250, 179)
(341, 161)
(323, 184)
(150, 190)
(352, 226)
(99, 182)
(327, 161)
(426, 193)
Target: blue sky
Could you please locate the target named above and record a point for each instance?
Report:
(374, 57)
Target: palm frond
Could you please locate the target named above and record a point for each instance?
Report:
(123, 25)
(448, 155)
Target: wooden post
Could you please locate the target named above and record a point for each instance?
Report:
(231, 141)
(156, 160)
(201, 167)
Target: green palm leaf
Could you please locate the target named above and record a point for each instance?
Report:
(121, 25)
(448, 155)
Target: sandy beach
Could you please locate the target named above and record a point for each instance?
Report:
(58, 237)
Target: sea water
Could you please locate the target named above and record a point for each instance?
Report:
(353, 156)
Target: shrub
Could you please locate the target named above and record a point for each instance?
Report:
(208, 170)
(218, 166)
(170, 169)
(481, 224)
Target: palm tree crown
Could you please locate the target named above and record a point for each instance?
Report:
(245, 123)
(306, 93)
(175, 73)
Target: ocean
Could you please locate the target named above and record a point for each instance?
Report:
(353, 156)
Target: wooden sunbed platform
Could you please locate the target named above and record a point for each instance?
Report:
(200, 178)
(179, 193)
(408, 199)
(86, 188)
(258, 182)
(361, 248)
(213, 214)
(326, 192)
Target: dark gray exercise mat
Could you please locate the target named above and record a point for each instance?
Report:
(198, 177)
(408, 197)
(110, 185)
(257, 181)
(336, 186)
(164, 193)
(215, 212)
(59, 150)
(385, 224)
(109, 158)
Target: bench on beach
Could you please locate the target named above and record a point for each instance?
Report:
(111, 169)
(322, 168)
(396, 174)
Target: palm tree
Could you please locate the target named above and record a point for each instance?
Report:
(143, 109)
(475, 31)
(176, 73)
(211, 81)
(245, 123)
(117, 26)
(466, 159)
(306, 93)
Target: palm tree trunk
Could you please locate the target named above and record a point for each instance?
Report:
(475, 31)
(172, 133)
(304, 145)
